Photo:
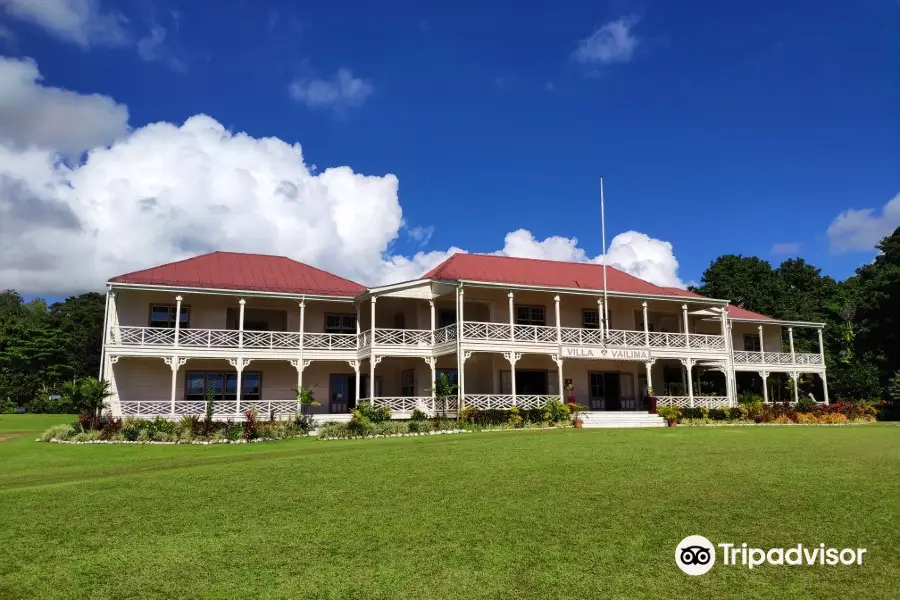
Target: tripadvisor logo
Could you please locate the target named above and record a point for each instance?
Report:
(696, 555)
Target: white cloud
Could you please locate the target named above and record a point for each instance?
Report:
(340, 92)
(785, 248)
(860, 230)
(612, 42)
(165, 192)
(82, 22)
(422, 235)
(34, 114)
(153, 48)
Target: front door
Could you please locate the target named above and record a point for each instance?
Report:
(342, 393)
(605, 391)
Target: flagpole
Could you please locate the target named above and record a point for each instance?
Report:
(605, 315)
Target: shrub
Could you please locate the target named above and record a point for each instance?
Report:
(515, 418)
(58, 432)
(87, 436)
(249, 428)
(806, 405)
(747, 398)
(418, 415)
(834, 418)
(555, 411)
(131, 429)
(360, 424)
(806, 418)
(110, 428)
(145, 435)
(418, 426)
(669, 413)
(783, 420)
(374, 415)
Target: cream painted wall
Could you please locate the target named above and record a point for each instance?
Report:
(772, 336)
(209, 311)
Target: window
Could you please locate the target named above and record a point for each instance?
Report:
(163, 315)
(224, 385)
(450, 373)
(340, 323)
(408, 383)
(590, 318)
(597, 388)
(529, 315)
(446, 317)
(751, 343)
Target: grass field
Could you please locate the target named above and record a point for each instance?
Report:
(541, 514)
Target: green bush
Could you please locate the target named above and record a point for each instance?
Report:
(418, 426)
(806, 404)
(418, 415)
(374, 415)
(131, 429)
(58, 432)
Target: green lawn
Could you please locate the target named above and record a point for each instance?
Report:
(542, 514)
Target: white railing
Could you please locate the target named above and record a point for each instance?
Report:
(505, 401)
(706, 341)
(221, 408)
(478, 330)
(699, 401)
(581, 336)
(744, 357)
(404, 403)
(403, 337)
(538, 334)
(617, 337)
(662, 339)
(445, 334)
(142, 336)
(330, 341)
(271, 339)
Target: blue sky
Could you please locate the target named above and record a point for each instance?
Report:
(719, 127)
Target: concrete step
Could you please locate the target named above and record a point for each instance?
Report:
(598, 419)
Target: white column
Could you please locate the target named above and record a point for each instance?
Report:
(372, 316)
(356, 384)
(689, 367)
(822, 354)
(432, 363)
(600, 318)
(433, 320)
(242, 303)
(559, 373)
(178, 300)
(239, 366)
(513, 358)
(512, 326)
(791, 342)
(649, 367)
(646, 334)
(174, 362)
(687, 333)
(795, 376)
(765, 377)
(762, 345)
(460, 360)
(303, 323)
(558, 324)
(372, 361)
(358, 330)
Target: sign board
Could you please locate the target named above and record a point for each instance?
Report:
(604, 353)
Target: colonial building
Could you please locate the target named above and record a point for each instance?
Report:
(252, 329)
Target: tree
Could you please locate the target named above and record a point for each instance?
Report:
(79, 323)
(747, 281)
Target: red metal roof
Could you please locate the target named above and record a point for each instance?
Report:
(250, 272)
(736, 312)
(544, 273)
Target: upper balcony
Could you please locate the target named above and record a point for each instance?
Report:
(770, 360)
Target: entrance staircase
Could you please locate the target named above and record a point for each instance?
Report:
(621, 418)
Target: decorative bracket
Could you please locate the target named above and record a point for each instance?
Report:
(114, 358)
(557, 359)
(650, 362)
(512, 357)
(174, 362)
(430, 361)
(764, 374)
(688, 363)
(467, 354)
(300, 364)
(238, 363)
(355, 364)
(375, 360)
